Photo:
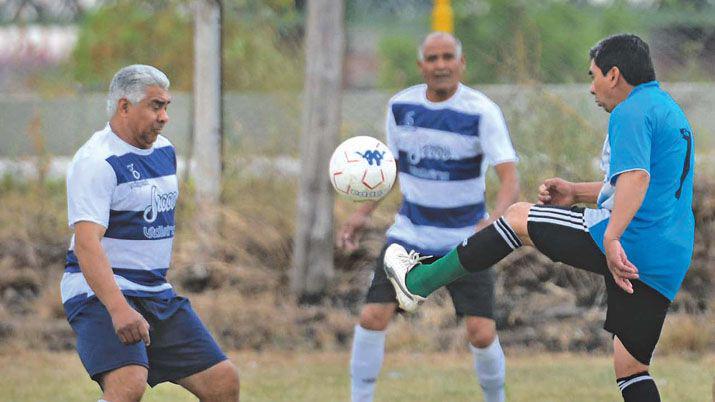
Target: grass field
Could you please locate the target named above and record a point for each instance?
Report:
(322, 377)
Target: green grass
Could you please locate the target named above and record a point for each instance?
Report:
(295, 377)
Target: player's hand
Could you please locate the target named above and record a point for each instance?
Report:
(130, 326)
(557, 191)
(348, 237)
(621, 269)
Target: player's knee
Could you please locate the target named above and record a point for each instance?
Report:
(125, 384)
(376, 317)
(225, 385)
(131, 391)
(481, 334)
(516, 215)
(624, 363)
(230, 384)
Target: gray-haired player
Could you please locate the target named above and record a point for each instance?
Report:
(132, 329)
(444, 136)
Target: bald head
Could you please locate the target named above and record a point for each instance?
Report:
(432, 36)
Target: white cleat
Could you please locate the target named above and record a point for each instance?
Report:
(398, 262)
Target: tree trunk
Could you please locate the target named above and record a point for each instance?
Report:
(312, 267)
(206, 159)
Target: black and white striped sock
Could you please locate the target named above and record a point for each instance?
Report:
(488, 246)
(638, 387)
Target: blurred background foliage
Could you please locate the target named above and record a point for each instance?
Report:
(505, 41)
(262, 42)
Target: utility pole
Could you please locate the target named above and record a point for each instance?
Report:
(312, 266)
(207, 101)
(206, 159)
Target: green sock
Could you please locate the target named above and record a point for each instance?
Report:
(426, 278)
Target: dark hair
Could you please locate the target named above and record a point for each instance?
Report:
(629, 53)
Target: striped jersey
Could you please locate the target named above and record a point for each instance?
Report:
(132, 192)
(443, 150)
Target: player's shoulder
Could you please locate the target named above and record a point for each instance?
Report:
(97, 148)
(474, 98)
(413, 94)
(163, 142)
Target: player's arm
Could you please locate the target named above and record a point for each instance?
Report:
(348, 236)
(130, 326)
(557, 191)
(631, 188)
(508, 191)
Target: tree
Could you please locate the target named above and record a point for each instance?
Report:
(206, 150)
(313, 253)
(207, 145)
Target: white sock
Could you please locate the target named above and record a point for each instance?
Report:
(365, 363)
(490, 365)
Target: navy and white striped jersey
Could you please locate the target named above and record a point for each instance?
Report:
(443, 151)
(132, 192)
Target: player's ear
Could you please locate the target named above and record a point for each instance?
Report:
(614, 74)
(123, 106)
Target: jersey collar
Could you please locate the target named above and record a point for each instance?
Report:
(645, 85)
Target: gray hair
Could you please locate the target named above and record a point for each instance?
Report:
(131, 83)
(432, 35)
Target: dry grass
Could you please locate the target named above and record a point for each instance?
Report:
(687, 334)
(242, 292)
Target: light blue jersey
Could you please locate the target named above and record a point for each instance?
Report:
(648, 131)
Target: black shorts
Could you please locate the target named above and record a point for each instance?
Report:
(561, 234)
(472, 295)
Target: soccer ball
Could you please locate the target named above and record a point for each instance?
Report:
(362, 168)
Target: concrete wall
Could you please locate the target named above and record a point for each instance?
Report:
(270, 123)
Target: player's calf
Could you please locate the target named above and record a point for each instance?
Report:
(638, 387)
(477, 253)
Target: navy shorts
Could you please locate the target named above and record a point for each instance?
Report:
(472, 295)
(180, 343)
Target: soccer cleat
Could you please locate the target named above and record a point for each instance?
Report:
(398, 262)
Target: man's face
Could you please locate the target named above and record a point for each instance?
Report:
(601, 86)
(441, 69)
(147, 118)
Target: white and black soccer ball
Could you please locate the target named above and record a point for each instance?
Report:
(362, 168)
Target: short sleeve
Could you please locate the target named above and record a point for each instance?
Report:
(494, 137)
(90, 186)
(630, 139)
(390, 131)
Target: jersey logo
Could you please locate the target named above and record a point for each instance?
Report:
(688, 137)
(159, 203)
(372, 156)
(429, 151)
(409, 119)
(133, 171)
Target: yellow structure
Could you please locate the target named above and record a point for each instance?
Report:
(442, 16)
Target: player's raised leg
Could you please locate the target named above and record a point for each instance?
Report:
(479, 252)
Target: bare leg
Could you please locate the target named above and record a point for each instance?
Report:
(218, 383)
(125, 384)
